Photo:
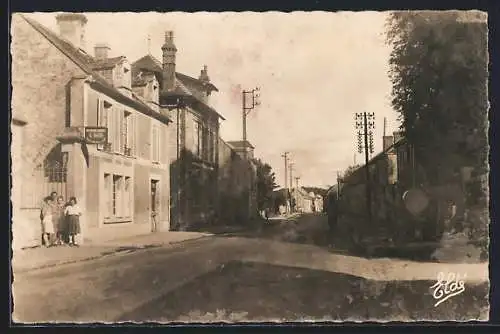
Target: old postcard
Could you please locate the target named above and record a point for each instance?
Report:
(249, 167)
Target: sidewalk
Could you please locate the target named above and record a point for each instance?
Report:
(41, 257)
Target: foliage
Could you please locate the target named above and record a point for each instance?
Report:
(318, 191)
(266, 183)
(438, 69)
(350, 170)
(279, 198)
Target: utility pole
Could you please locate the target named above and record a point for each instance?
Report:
(285, 156)
(248, 105)
(290, 165)
(338, 184)
(365, 125)
(297, 178)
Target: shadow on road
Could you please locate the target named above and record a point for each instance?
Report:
(244, 292)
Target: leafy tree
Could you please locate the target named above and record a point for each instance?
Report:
(266, 183)
(438, 69)
(349, 171)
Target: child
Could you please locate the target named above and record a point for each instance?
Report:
(59, 221)
(73, 213)
(47, 225)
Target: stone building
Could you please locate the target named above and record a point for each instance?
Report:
(62, 90)
(236, 182)
(304, 201)
(194, 143)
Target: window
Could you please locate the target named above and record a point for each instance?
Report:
(204, 142)
(118, 144)
(128, 133)
(108, 195)
(212, 144)
(197, 138)
(118, 200)
(155, 145)
(127, 197)
(103, 111)
(117, 189)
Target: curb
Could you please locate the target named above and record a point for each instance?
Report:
(114, 251)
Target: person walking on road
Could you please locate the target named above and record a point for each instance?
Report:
(73, 213)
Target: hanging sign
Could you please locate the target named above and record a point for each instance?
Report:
(96, 135)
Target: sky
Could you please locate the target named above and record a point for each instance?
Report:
(315, 70)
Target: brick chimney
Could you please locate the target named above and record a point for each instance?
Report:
(72, 28)
(388, 141)
(204, 74)
(169, 51)
(101, 50)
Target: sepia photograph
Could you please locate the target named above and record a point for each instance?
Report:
(249, 167)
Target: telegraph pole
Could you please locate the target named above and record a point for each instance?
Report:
(290, 165)
(338, 184)
(248, 105)
(285, 156)
(297, 182)
(365, 125)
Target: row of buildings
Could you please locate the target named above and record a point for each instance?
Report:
(162, 166)
(392, 173)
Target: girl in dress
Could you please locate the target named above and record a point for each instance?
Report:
(73, 213)
(47, 222)
(59, 220)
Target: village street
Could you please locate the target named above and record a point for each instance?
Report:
(276, 272)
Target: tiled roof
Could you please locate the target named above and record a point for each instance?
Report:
(87, 63)
(195, 82)
(148, 63)
(240, 144)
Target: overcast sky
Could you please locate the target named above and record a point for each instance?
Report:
(315, 71)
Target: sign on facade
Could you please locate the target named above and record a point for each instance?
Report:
(96, 135)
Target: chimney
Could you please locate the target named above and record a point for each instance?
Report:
(204, 74)
(101, 50)
(169, 51)
(388, 141)
(72, 28)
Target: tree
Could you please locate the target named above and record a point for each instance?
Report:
(438, 69)
(349, 171)
(266, 183)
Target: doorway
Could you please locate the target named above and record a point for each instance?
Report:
(155, 207)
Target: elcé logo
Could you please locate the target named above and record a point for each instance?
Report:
(447, 286)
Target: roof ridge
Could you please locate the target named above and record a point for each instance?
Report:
(56, 41)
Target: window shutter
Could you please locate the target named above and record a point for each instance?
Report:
(133, 131)
(111, 127)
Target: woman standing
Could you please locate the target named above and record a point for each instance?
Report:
(59, 221)
(47, 222)
(73, 213)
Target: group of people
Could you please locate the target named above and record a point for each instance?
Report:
(60, 221)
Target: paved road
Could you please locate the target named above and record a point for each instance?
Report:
(276, 273)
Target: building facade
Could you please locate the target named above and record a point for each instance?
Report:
(194, 143)
(63, 91)
(236, 182)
